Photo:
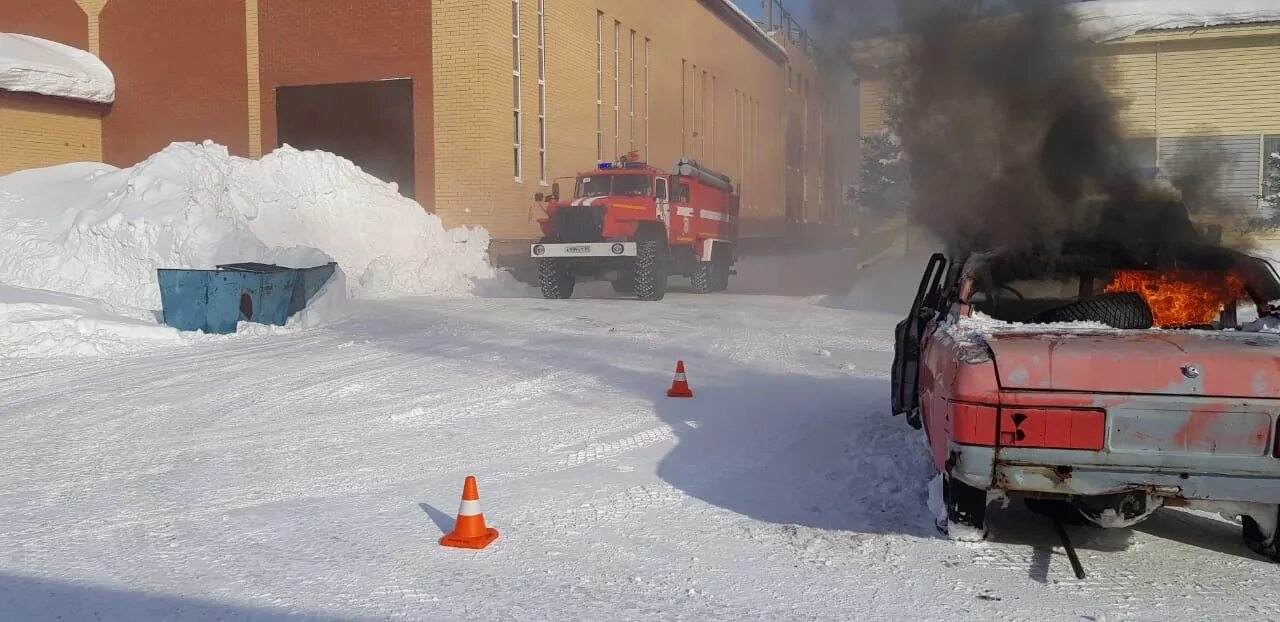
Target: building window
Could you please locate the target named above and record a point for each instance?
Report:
(1140, 156)
(712, 133)
(1271, 168)
(684, 111)
(599, 86)
(542, 92)
(702, 122)
(646, 98)
(617, 87)
(631, 84)
(515, 82)
(739, 132)
(695, 137)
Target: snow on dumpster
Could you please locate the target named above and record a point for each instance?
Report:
(33, 65)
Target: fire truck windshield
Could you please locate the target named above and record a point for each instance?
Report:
(618, 185)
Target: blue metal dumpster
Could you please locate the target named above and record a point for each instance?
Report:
(214, 301)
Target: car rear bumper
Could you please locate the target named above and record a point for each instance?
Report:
(592, 249)
(1082, 473)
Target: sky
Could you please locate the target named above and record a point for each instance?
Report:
(755, 8)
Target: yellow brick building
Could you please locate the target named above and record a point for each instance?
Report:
(531, 90)
(44, 131)
(1183, 94)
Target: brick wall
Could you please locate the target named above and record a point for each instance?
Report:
(304, 42)
(469, 78)
(38, 131)
(180, 76)
(55, 20)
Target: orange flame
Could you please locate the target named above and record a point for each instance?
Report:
(1182, 297)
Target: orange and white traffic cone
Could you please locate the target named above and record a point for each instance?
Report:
(470, 531)
(680, 386)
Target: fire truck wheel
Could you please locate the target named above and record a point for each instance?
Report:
(720, 265)
(556, 282)
(649, 274)
(703, 277)
(1258, 541)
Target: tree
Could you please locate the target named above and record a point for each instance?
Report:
(884, 186)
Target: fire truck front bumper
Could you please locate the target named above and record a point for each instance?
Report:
(593, 249)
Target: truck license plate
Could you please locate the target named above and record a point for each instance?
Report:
(577, 250)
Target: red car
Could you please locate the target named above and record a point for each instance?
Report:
(1109, 379)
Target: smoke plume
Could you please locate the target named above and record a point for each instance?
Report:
(1013, 139)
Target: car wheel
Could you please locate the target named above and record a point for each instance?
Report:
(966, 510)
(1261, 543)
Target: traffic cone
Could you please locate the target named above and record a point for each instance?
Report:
(470, 531)
(680, 386)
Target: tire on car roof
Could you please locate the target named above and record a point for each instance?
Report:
(1126, 310)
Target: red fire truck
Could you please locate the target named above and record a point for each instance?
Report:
(634, 225)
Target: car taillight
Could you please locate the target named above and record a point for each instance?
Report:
(1053, 428)
(973, 424)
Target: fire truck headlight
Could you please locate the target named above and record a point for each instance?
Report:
(618, 249)
(539, 249)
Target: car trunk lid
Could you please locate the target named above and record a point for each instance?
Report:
(1149, 362)
(1188, 393)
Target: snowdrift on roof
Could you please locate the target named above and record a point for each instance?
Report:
(34, 65)
(99, 232)
(1105, 20)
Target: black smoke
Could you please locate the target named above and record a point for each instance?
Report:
(1012, 138)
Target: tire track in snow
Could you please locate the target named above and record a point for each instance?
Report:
(602, 451)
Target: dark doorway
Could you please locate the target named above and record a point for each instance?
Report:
(369, 123)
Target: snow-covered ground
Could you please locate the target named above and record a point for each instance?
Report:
(310, 474)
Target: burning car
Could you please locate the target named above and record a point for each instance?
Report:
(1111, 377)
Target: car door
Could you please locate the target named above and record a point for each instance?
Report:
(907, 340)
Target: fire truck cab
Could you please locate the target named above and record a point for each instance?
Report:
(635, 225)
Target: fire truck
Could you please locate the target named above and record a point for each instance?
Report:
(635, 225)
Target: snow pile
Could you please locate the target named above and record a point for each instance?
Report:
(33, 65)
(886, 283)
(35, 323)
(1105, 20)
(100, 232)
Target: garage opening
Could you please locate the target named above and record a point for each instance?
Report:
(369, 123)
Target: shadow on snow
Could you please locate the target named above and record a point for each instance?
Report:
(32, 599)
